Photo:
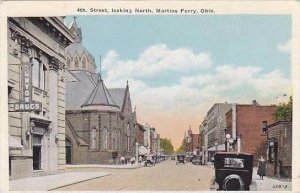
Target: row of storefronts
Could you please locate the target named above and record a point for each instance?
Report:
(238, 128)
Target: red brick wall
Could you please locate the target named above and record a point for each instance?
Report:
(249, 119)
(140, 136)
(195, 141)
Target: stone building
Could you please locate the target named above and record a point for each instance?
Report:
(100, 123)
(244, 125)
(212, 130)
(36, 57)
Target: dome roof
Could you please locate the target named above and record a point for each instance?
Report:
(79, 49)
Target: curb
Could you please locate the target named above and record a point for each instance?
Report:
(78, 182)
(99, 166)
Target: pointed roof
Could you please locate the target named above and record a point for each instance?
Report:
(76, 30)
(100, 96)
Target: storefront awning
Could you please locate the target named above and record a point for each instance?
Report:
(14, 143)
(220, 147)
(143, 150)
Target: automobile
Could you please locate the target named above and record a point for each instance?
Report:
(180, 159)
(150, 161)
(233, 171)
(197, 160)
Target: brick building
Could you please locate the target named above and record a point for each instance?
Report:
(244, 125)
(36, 94)
(140, 137)
(100, 123)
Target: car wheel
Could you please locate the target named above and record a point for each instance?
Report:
(233, 182)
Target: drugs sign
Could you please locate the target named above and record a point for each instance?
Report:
(26, 105)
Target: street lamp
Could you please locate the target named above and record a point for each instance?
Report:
(216, 144)
(229, 140)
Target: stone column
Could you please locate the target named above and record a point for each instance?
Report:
(53, 100)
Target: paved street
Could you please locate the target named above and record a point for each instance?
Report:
(163, 176)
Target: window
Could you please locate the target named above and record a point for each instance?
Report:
(93, 139)
(104, 139)
(114, 140)
(118, 140)
(68, 63)
(76, 62)
(84, 63)
(38, 74)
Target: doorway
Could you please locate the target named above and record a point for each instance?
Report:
(68, 151)
(36, 154)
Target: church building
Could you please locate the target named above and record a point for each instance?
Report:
(100, 122)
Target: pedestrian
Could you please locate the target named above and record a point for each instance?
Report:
(132, 160)
(122, 159)
(140, 160)
(261, 171)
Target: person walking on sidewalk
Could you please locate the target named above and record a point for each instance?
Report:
(261, 171)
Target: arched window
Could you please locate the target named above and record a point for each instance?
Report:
(104, 139)
(128, 137)
(76, 62)
(93, 139)
(83, 63)
(118, 140)
(68, 63)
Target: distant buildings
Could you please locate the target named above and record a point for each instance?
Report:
(191, 143)
(240, 122)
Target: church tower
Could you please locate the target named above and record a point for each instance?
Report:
(77, 56)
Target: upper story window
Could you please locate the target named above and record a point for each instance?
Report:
(68, 63)
(93, 139)
(84, 63)
(76, 62)
(38, 74)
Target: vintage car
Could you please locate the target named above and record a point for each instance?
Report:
(197, 160)
(180, 158)
(233, 171)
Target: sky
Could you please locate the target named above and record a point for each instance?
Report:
(179, 66)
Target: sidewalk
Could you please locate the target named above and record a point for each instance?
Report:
(51, 182)
(269, 183)
(125, 166)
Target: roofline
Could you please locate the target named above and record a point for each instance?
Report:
(278, 122)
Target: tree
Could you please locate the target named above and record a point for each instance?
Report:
(284, 111)
(166, 145)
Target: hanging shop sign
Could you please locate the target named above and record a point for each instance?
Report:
(26, 105)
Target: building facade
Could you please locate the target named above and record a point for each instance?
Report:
(244, 125)
(279, 153)
(212, 130)
(36, 60)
